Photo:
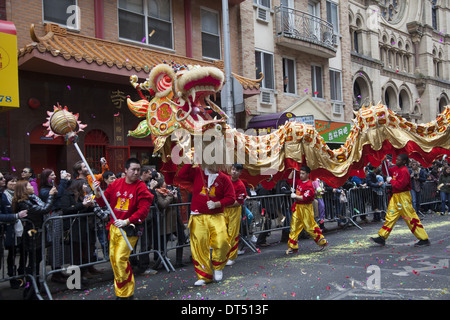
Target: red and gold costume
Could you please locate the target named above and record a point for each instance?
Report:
(400, 205)
(303, 216)
(132, 202)
(233, 217)
(208, 226)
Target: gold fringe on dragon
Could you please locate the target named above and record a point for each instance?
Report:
(187, 126)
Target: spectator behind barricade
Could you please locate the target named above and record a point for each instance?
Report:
(339, 200)
(181, 228)
(283, 187)
(2, 183)
(418, 177)
(102, 216)
(148, 175)
(80, 171)
(55, 228)
(444, 189)
(265, 214)
(81, 229)
(11, 233)
(319, 189)
(28, 174)
(167, 226)
(25, 199)
(375, 182)
(120, 175)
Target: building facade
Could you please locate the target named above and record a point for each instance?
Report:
(81, 53)
(400, 55)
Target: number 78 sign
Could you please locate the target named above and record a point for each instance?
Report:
(9, 74)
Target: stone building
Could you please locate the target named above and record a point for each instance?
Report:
(400, 55)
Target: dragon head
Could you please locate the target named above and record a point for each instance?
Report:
(181, 99)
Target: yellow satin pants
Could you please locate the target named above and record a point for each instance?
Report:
(303, 217)
(119, 254)
(208, 230)
(233, 221)
(400, 205)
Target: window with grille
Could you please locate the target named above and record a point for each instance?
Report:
(95, 144)
(146, 21)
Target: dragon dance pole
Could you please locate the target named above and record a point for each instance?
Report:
(61, 122)
(102, 194)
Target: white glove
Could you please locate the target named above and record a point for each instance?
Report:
(388, 179)
(211, 204)
(119, 223)
(293, 196)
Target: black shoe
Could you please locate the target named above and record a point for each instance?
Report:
(378, 240)
(422, 243)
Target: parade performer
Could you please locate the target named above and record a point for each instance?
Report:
(212, 191)
(303, 216)
(233, 212)
(400, 204)
(130, 199)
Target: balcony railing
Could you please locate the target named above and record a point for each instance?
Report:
(295, 24)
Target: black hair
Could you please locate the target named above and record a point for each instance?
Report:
(306, 169)
(238, 166)
(404, 157)
(107, 174)
(130, 161)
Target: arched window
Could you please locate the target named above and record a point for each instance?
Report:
(95, 144)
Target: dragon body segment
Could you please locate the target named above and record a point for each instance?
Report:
(181, 100)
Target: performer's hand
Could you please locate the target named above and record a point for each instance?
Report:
(388, 179)
(211, 204)
(293, 196)
(119, 223)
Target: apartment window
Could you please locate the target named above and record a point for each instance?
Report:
(264, 64)
(210, 34)
(146, 21)
(63, 12)
(263, 3)
(335, 85)
(434, 19)
(317, 81)
(289, 75)
(333, 16)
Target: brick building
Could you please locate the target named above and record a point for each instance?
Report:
(81, 53)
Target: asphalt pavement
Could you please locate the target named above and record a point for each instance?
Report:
(350, 268)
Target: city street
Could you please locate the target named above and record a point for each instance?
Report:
(341, 272)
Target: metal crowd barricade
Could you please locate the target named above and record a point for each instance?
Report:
(26, 260)
(430, 197)
(365, 201)
(173, 230)
(77, 240)
(264, 214)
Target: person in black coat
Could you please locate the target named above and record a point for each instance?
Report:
(25, 199)
(82, 229)
(12, 241)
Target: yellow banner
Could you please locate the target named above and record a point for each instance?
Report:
(9, 74)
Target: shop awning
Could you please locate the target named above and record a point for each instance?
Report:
(270, 121)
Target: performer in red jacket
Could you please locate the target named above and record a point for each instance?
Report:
(130, 200)
(233, 212)
(400, 204)
(212, 191)
(303, 216)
